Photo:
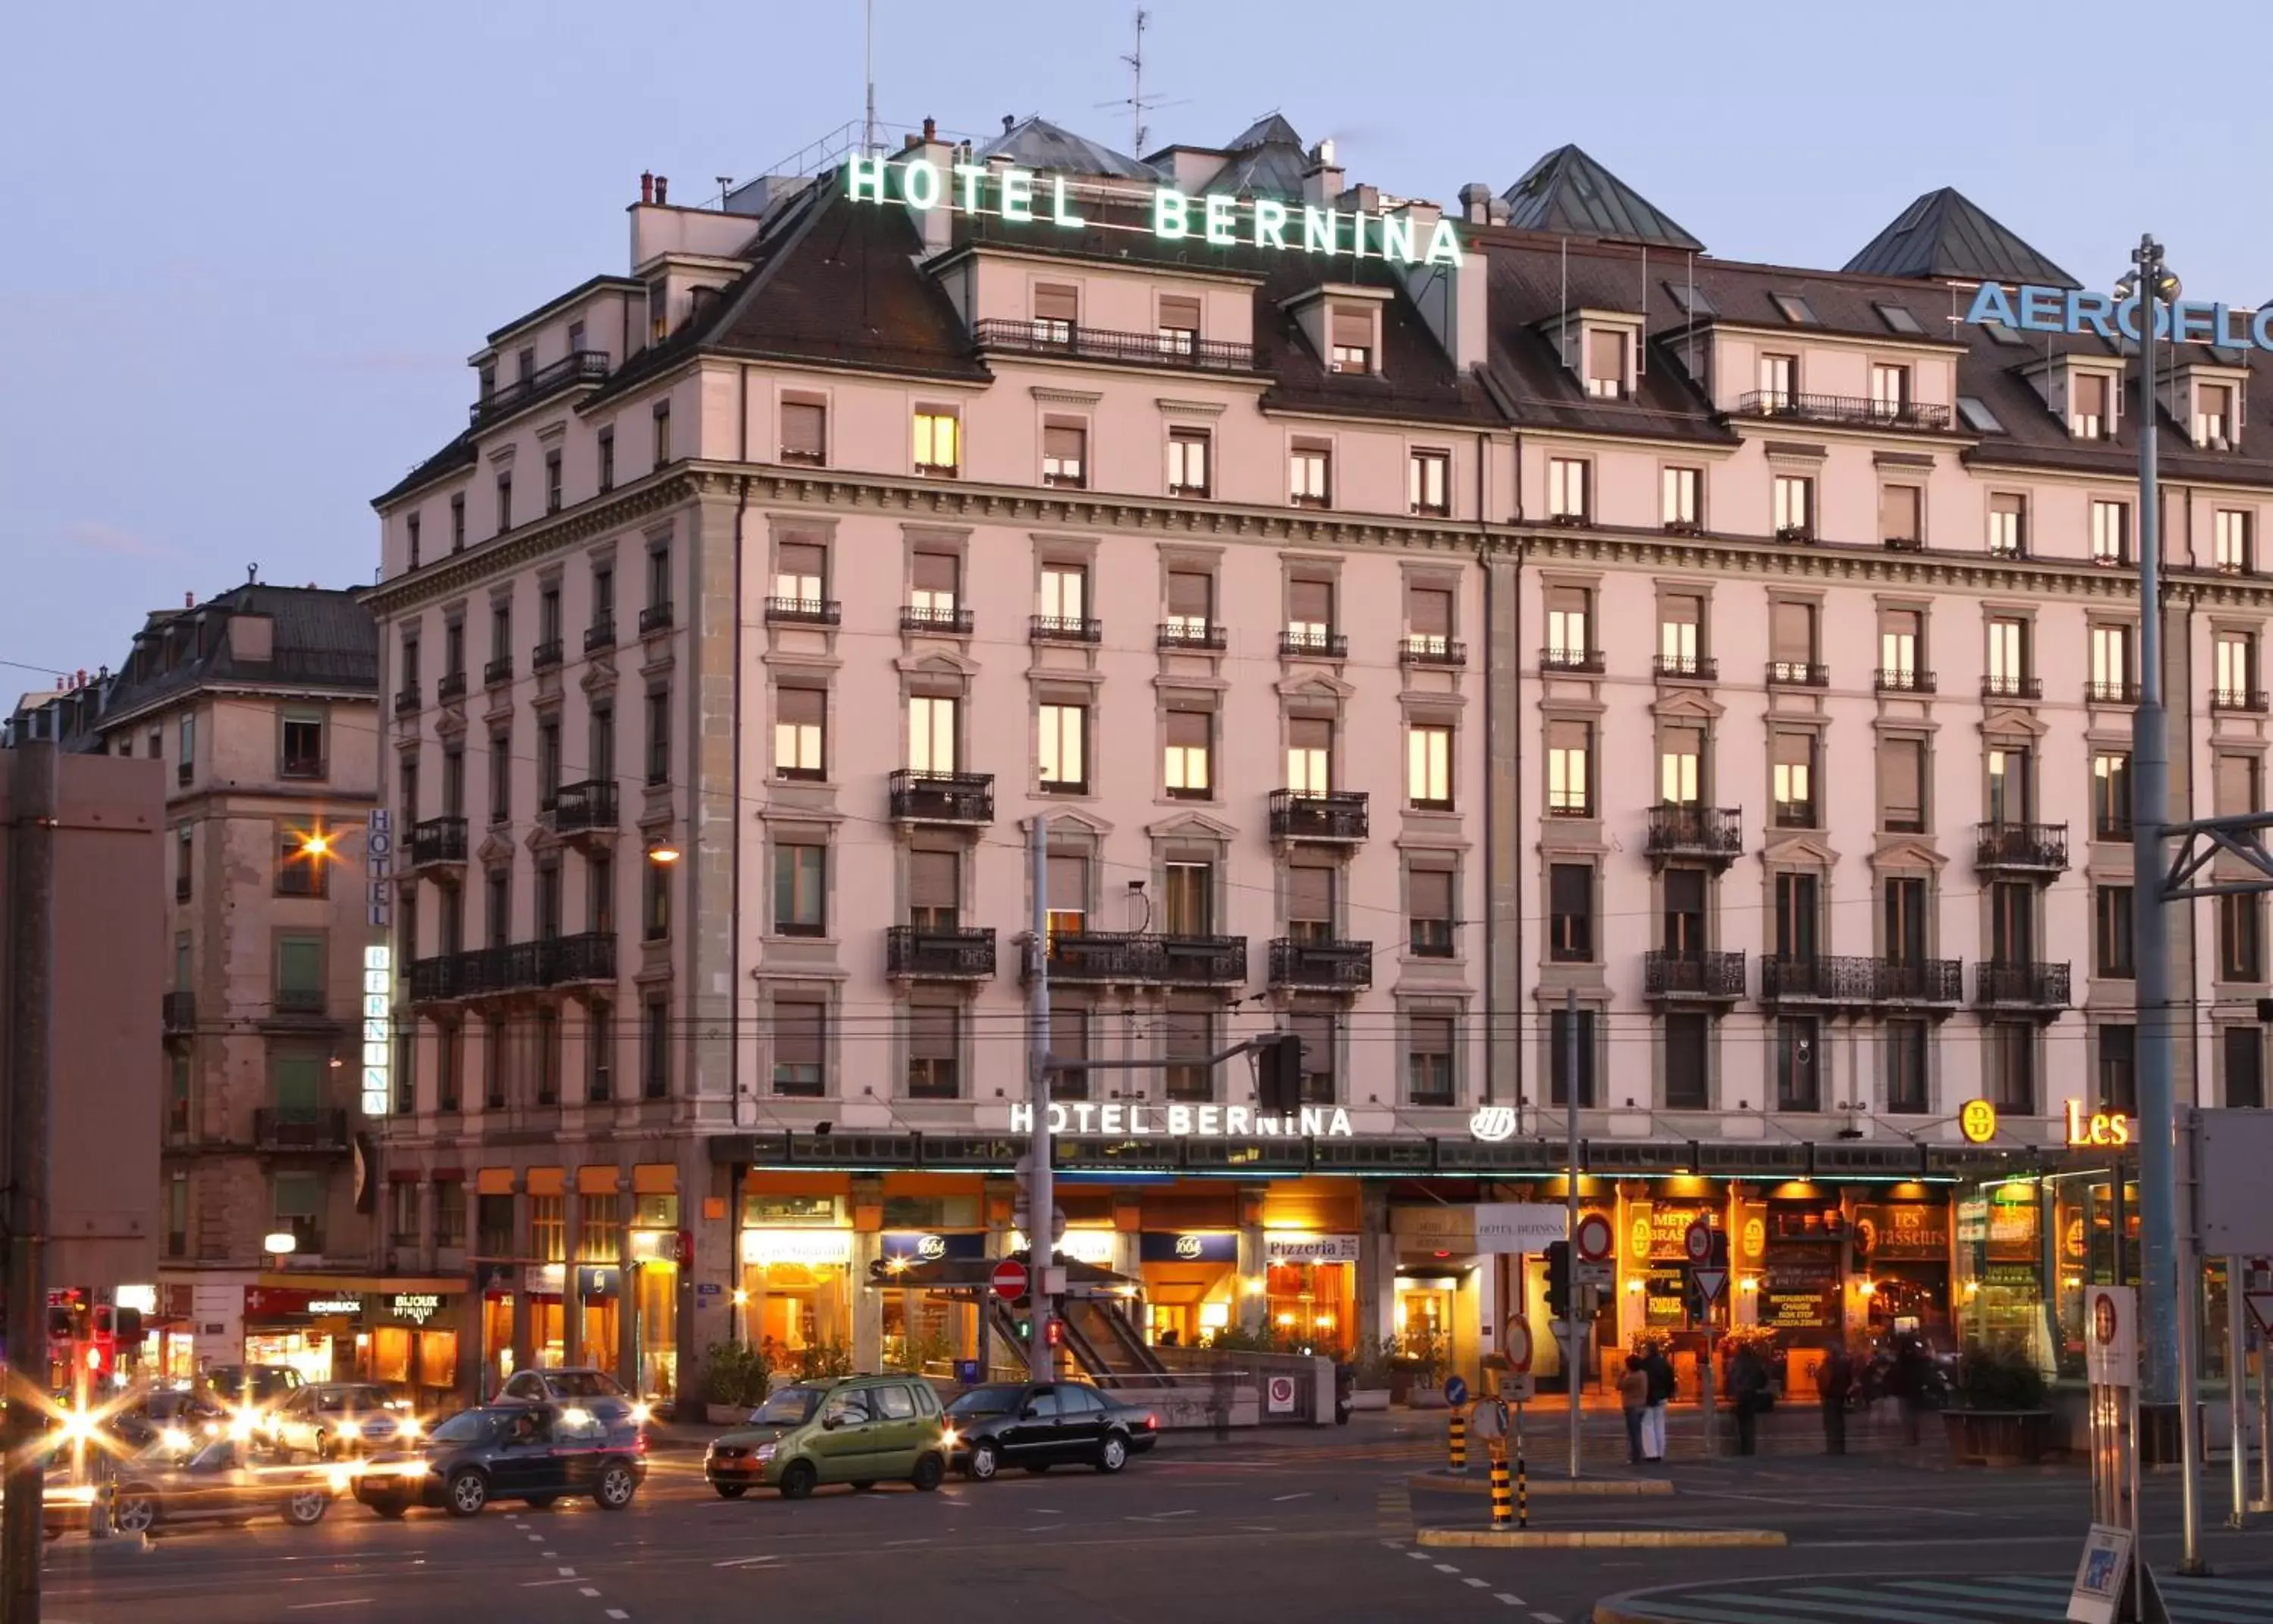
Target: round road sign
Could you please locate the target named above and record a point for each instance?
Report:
(1517, 1346)
(1696, 1240)
(1592, 1240)
(1008, 1278)
(1456, 1390)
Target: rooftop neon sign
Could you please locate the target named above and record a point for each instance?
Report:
(1217, 219)
(2076, 309)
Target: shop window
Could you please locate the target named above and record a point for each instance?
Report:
(548, 1228)
(1560, 1079)
(1687, 1042)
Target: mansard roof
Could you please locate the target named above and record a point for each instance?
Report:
(1946, 237)
(1567, 192)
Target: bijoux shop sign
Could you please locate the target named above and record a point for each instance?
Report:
(1218, 219)
(2078, 310)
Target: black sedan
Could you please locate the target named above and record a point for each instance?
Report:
(1039, 1426)
(535, 1453)
(224, 1481)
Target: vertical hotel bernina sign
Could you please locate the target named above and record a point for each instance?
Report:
(1218, 220)
(378, 961)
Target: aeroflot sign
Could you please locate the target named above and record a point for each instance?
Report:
(2076, 309)
(1218, 219)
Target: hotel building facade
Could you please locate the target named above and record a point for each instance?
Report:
(1569, 644)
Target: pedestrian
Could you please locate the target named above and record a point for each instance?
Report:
(1168, 1337)
(1748, 1386)
(1910, 1380)
(1835, 1380)
(1660, 1371)
(1633, 1398)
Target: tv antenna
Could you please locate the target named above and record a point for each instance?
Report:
(868, 71)
(1136, 102)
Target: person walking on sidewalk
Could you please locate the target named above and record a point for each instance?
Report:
(1909, 1380)
(1748, 1386)
(1835, 1380)
(1660, 1371)
(1633, 1397)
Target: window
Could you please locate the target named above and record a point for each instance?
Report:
(603, 595)
(504, 502)
(800, 733)
(600, 742)
(800, 1029)
(1188, 899)
(1606, 364)
(1797, 898)
(1311, 912)
(1570, 769)
(302, 755)
(1065, 452)
(1428, 483)
(1795, 309)
(1794, 506)
(1063, 748)
(1683, 920)
(935, 1045)
(1569, 610)
(599, 1227)
(1688, 1040)
(454, 781)
(1310, 756)
(1429, 766)
(938, 434)
(1560, 1079)
(1901, 633)
(1902, 515)
(1903, 908)
(2013, 1068)
(1310, 614)
(2235, 655)
(606, 442)
(934, 587)
(450, 1215)
(1571, 913)
(2119, 1069)
(1428, 622)
(599, 1054)
(804, 433)
(1890, 390)
(458, 523)
(498, 911)
(1793, 753)
(1189, 739)
(2111, 532)
(2213, 416)
(2008, 525)
(1063, 602)
(2088, 403)
(2008, 655)
(548, 761)
(2234, 553)
(1308, 474)
(1191, 604)
(1067, 885)
(1680, 634)
(298, 1204)
(1898, 320)
(2233, 787)
(2241, 939)
(1188, 1041)
(298, 872)
(661, 432)
(658, 581)
(933, 729)
(2011, 922)
(2111, 794)
(548, 613)
(1566, 488)
(2245, 1067)
(1057, 309)
(801, 576)
(1799, 1064)
(2111, 933)
(449, 1065)
(1429, 911)
(1901, 785)
(500, 776)
(1779, 382)
(655, 911)
(2111, 662)
(1321, 1035)
(553, 481)
(300, 975)
(1908, 1091)
(1680, 766)
(1069, 1042)
(934, 890)
(1187, 462)
(1428, 1060)
(2011, 798)
(1178, 327)
(1681, 498)
(1352, 332)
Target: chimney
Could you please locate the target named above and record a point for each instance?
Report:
(931, 130)
(1322, 178)
(1475, 203)
(189, 600)
(662, 191)
(647, 185)
(1007, 121)
(911, 141)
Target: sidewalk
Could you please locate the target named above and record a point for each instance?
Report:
(1997, 1598)
(1389, 1434)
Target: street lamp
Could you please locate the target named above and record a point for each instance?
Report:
(663, 853)
(279, 1245)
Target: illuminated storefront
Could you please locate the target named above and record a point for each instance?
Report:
(796, 1257)
(313, 1331)
(1310, 1284)
(413, 1343)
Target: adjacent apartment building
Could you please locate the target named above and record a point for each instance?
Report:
(1413, 629)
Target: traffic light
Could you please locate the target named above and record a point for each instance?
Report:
(1559, 1279)
(1279, 1079)
(1055, 1336)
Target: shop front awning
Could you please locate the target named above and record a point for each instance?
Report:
(976, 1274)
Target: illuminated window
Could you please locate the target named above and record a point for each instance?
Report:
(938, 441)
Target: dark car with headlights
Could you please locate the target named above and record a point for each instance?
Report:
(1039, 1426)
(536, 1453)
(225, 1481)
(595, 1391)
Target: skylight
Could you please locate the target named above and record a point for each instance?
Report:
(1691, 299)
(1977, 415)
(1898, 320)
(1999, 333)
(1796, 309)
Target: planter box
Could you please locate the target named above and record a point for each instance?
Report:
(1998, 1437)
(1369, 1398)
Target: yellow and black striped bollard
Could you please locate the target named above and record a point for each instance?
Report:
(1522, 1495)
(1459, 1443)
(1503, 1496)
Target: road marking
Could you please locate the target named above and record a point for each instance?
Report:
(588, 1590)
(1256, 1527)
(617, 1613)
(1546, 1618)
(566, 1572)
(548, 1555)
(1476, 1584)
(1280, 1499)
(536, 1539)
(1512, 1601)
(539, 1584)
(1176, 1514)
(889, 1543)
(747, 1561)
(1418, 1556)
(309, 1606)
(1446, 1568)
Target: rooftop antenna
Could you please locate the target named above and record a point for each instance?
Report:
(1137, 105)
(868, 71)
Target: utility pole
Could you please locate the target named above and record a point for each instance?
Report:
(1574, 1334)
(30, 965)
(1041, 1183)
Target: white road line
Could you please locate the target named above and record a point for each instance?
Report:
(889, 1543)
(536, 1539)
(1279, 1499)
(1177, 1514)
(588, 1590)
(1393, 1545)
(1546, 1618)
(1476, 1584)
(1256, 1527)
(548, 1555)
(309, 1606)
(1418, 1556)
(617, 1613)
(539, 1584)
(747, 1561)
(1512, 1601)
(566, 1572)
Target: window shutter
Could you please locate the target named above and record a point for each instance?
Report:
(1606, 356)
(932, 879)
(1063, 441)
(2233, 788)
(1189, 594)
(803, 560)
(1310, 602)
(1430, 893)
(802, 707)
(796, 1034)
(1353, 328)
(1056, 302)
(1310, 894)
(1572, 886)
(1792, 634)
(1187, 730)
(2090, 394)
(931, 1031)
(1068, 883)
(1432, 1035)
(1310, 733)
(1180, 313)
(936, 571)
(1791, 749)
(804, 424)
(1429, 611)
(1902, 788)
(1898, 513)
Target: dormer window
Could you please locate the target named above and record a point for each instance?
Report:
(1057, 309)
(1606, 364)
(2089, 413)
(2214, 417)
(1352, 329)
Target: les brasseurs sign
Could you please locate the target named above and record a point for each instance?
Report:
(1217, 220)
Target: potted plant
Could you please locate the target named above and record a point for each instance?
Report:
(734, 1382)
(1370, 1374)
(2000, 1417)
(1419, 1364)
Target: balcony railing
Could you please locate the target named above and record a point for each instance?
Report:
(583, 366)
(1330, 966)
(922, 954)
(177, 1012)
(1427, 648)
(1827, 978)
(1799, 674)
(954, 620)
(1125, 957)
(1686, 668)
(184, 771)
(2030, 986)
(1667, 973)
(438, 840)
(2118, 691)
(1338, 815)
(585, 807)
(1065, 629)
(450, 685)
(2246, 699)
(942, 797)
(1152, 349)
(498, 671)
(2041, 846)
(546, 656)
(1995, 687)
(407, 699)
(1903, 679)
(588, 955)
(1921, 981)
(515, 967)
(599, 635)
(1586, 660)
(1317, 645)
(279, 1127)
(300, 1001)
(803, 612)
(1860, 410)
(655, 618)
(1191, 634)
(1716, 832)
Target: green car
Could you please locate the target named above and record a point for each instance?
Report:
(861, 1430)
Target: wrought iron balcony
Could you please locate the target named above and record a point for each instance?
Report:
(2040, 848)
(586, 807)
(1321, 966)
(942, 797)
(1716, 832)
(1921, 981)
(438, 841)
(1151, 349)
(655, 618)
(1100, 957)
(1856, 983)
(1315, 645)
(953, 621)
(1686, 668)
(1338, 815)
(2015, 985)
(1903, 679)
(407, 699)
(600, 635)
(803, 612)
(1799, 674)
(1588, 661)
(918, 953)
(546, 656)
(450, 685)
(2008, 687)
(583, 366)
(300, 1001)
(177, 1012)
(2250, 701)
(1858, 411)
(1065, 629)
(588, 955)
(279, 1127)
(1716, 977)
(1190, 634)
(2113, 690)
(439, 979)
(1427, 648)
(497, 672)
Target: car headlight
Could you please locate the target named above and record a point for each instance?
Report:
(950, 1438)
(175, 1437)
(576, 1418)
(349, 1429)
(764, 1453)
(640, 1415)
(408, 1426)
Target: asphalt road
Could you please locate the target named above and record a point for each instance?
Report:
(1320, 1527)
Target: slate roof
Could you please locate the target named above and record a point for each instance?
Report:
(321, 637)
(1568, 193)
(1945, 235)
(1038, 144)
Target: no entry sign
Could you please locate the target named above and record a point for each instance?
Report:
(1008, 1278)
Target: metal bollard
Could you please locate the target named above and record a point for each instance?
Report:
(1503, 1497)
(1522, 1495)
(1459, 1443)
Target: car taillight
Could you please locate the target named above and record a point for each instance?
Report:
(1150, 1422)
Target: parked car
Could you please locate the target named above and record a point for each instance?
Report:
(535, 1453)
(1039, 1426)
(253, 1387)
(861, 1430)
(341, 1417)
(594, 1391)
(223, 1480)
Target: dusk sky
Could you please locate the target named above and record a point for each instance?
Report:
(252, 244)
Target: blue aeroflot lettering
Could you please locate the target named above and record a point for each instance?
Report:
(2076, 309)
(1217, 219)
